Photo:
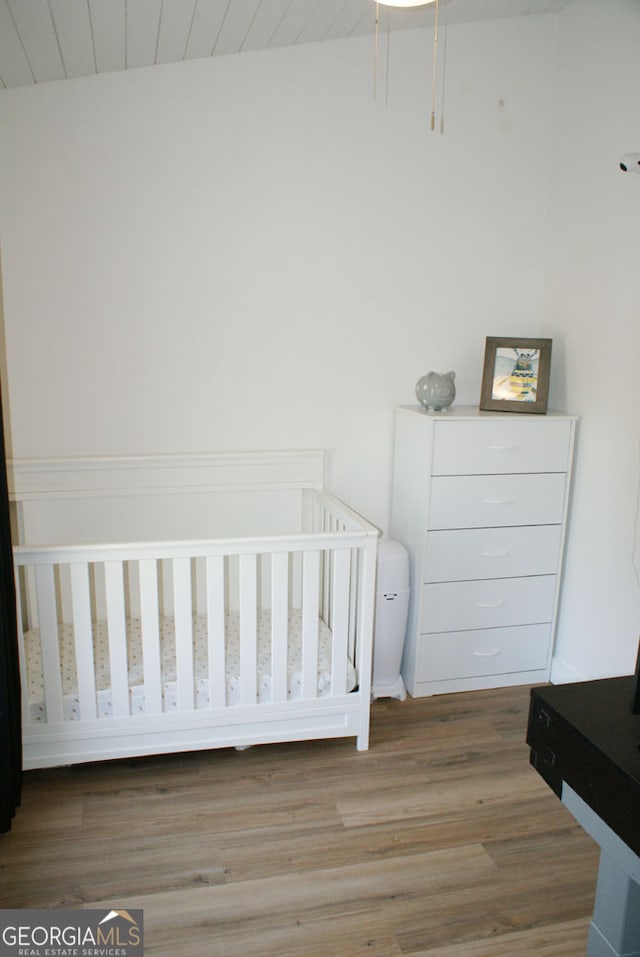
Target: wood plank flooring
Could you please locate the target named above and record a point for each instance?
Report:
(440, 841)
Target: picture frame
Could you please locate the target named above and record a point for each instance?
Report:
(515, 377)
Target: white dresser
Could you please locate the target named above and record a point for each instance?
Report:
(480, 501)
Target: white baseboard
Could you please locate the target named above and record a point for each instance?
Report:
(563, 674)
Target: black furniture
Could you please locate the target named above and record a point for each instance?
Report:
(585, 743)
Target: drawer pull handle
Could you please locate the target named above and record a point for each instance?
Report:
(498, 501)
(502, 554)
(487, 654)
(503, 448)
(491, 604)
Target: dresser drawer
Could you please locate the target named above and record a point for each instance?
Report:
(471, 654)
(477, 501)
(493, 603)
(472, 553)
(494, 445)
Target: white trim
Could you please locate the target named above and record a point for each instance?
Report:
(41, 478)
(562, 674)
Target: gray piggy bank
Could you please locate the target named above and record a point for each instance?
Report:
(436, 391)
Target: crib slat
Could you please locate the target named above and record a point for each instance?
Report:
(49, 642)
(353, 598)
(248, 629)
(150, 623)
(215, 628)
(279, 624)
(117, 629)
(19, 578)
(340, 620)
(327, 557)
(264, 579)
(184, 632)
(30, 600)
(364, 644)
(295, 580)
(310, 608)
(83, 639)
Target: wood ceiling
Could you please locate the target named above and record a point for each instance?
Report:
(48, 40)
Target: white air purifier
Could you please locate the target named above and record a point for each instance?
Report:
(392, 606)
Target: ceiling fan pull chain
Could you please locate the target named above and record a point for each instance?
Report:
(443, 76)
(375, 53)
(435, 68)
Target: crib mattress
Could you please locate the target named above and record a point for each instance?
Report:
(35, 681)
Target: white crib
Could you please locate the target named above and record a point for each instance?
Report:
(178, 603)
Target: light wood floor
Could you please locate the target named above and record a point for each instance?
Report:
(439, 841)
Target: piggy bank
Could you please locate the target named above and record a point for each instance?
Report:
(436, 391)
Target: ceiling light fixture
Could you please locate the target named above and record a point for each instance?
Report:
(408, 4)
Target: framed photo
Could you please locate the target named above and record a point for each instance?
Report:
(516, 375)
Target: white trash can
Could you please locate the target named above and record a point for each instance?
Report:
(392, 606)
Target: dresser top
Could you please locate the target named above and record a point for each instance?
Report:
(473, 412)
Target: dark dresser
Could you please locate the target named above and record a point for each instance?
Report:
(585, 743)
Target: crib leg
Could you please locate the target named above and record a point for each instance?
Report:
(362, 741)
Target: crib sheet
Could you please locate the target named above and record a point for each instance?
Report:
(35, 682)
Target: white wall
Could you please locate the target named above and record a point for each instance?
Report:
(248, 252)
(593, 314)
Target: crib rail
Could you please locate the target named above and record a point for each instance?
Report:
(324, 578)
